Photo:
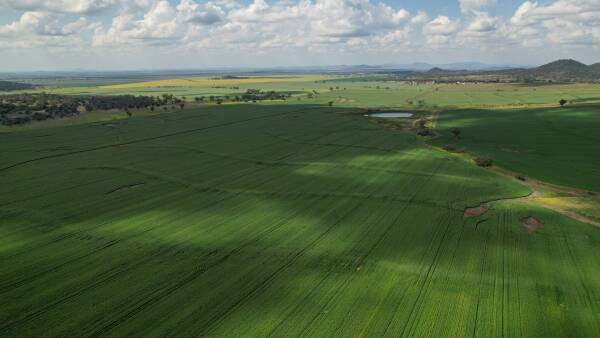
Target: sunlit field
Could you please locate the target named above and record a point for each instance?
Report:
(349, 92)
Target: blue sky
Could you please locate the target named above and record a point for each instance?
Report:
(504, 8)
(134, 34)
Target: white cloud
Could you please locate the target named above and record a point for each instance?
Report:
(277, 27)
(61, 6)
(439, 31)
(468, 6)
(203, 14)
(41, 24)
(442, 25)
(563, 22)
(483, 23)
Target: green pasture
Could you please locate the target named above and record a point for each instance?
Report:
(282, 219)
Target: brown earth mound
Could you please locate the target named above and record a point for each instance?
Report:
(531, 224)
(474, 212)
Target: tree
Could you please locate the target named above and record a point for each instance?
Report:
(562, 102)
(330, 103)
(456, 132)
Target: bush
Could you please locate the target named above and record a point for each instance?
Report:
(449, 147)
(453, 148)
(426, 133)
(456, 132)
(484, 161)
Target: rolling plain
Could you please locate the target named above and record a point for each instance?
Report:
(305, 217)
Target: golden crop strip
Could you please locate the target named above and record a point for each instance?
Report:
(208, 81)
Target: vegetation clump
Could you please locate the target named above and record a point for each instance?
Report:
(258, 95)
(7, 86)
(453, 148)
(456, 132)
(23, 108)
(426, 132)
(484, 161)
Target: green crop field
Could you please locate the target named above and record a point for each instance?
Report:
(557, 145)
(298, 219)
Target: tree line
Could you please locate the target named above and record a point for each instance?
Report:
(251, 95)
(7, 86)
(23, 108)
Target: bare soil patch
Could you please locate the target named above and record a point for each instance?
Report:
(474, 212)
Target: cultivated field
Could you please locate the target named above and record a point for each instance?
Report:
(557, 145)
(293, 218)
(350, 92)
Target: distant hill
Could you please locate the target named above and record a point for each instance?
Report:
(436, 70)
(443, 72)
(460, 66)
(566, 70)
(595, 67)
(6, 86)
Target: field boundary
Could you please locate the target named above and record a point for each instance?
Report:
(540, 191)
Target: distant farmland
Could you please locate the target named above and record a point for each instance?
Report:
(297, 218)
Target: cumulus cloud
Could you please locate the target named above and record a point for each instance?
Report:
(203, 14)
(439, 31)
(61, 6)
(263, 24)
(483, 23)
(468, 6)
(161, 24)
(41, 24)
(324, 26)
(567, 22)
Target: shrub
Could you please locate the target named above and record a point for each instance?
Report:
(453, 148)
(456, 132)
(484, 161)
(425, 133)
(449, 147)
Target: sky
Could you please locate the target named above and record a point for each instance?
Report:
(176, 34)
